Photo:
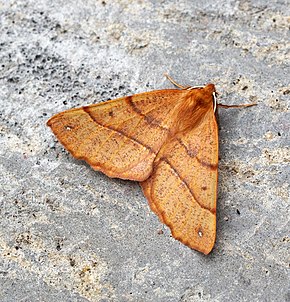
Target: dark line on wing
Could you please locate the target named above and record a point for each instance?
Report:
(86, 110)
(205, 164)
(193, 154)
(186, 184)
(150, 120)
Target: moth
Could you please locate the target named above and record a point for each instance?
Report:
(165, 139)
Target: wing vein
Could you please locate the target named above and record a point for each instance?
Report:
(124, 141)
(118, 131)
(186, 184)
(145, 115)
(147, 118)
(193, 154)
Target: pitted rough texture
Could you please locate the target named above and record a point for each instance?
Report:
(68, 233)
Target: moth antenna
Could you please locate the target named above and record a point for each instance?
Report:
(236, 106)
(194, 87)
(180, 86)
(175, 83)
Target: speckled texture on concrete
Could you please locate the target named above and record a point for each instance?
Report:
(68, 233)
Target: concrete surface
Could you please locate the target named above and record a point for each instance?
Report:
(68, 233)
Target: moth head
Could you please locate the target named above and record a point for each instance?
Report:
(204, 97)
(195, 105)
(210, 89)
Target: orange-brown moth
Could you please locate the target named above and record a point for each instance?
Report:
(165, 139)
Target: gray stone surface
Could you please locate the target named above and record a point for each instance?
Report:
(68, 233)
